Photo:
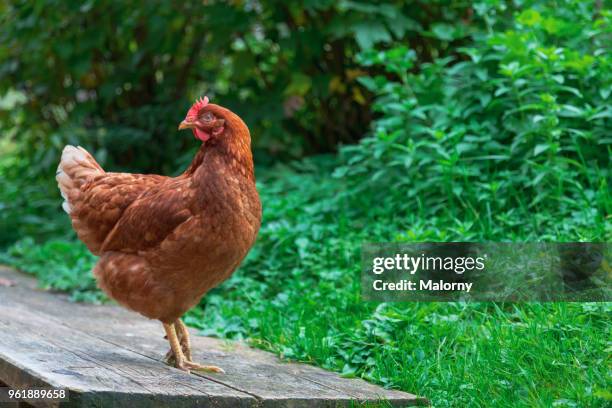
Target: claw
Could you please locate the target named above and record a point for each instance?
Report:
(210, 369)
(188, 366)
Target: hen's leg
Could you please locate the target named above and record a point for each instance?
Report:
(180, 360)
(170, 358)
(183, 334)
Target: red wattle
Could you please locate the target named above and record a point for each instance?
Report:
(200, 134)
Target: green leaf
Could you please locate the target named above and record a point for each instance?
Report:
(442, 31)
(300, 85)
(371, 32)
(529, 18)
(540, 148)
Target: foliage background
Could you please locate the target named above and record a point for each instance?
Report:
(371, 121)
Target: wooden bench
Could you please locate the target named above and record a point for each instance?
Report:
(107, 356)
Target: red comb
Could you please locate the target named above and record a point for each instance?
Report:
(195, 108)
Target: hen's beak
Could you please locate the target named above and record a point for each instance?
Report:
(186, 125)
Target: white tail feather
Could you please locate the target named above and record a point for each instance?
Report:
(75, 168)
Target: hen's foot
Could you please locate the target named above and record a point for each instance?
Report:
(170, 357)
(188, 366)
(181, 361)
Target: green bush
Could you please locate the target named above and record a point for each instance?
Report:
(58, 265)
(117, 77)
(29, 204)
(514, 129)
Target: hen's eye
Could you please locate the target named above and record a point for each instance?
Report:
(208, 117)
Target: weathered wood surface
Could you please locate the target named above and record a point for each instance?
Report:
(107, 356)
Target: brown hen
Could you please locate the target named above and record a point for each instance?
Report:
(163, 242)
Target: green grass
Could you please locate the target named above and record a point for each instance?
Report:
(59, 265)
(297, 294)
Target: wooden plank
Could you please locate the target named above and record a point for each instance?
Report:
(36, 352)
(245, 369)
(128, 347)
